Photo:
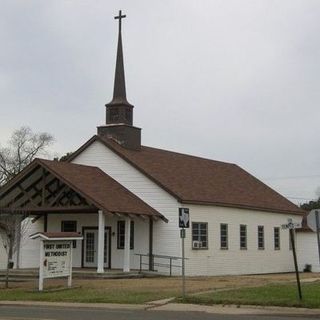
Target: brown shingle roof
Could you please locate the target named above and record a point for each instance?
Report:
(102, 191)
(100, 188)
(56, 235)
(201, 181)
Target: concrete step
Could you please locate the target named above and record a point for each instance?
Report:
(27, 275)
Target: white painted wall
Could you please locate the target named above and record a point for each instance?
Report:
(307, 250)
(234, 260)
(3, 255)
(29, 248)
(166, 237)
(141, 236)
(213, 261)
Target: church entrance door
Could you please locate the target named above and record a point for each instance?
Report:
(90, 247)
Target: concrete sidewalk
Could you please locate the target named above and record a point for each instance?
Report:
(157, 306)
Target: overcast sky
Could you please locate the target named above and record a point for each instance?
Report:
(237, 81)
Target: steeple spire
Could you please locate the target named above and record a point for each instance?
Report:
(119, 91)
(119, 112)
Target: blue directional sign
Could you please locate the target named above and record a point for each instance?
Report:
(184, 221)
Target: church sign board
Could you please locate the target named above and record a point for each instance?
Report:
(55, 255)
(57, 259)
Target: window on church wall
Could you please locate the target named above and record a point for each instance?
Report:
(243, 237)
(261, 237)
(199, 235)
(69, 226)
(276, 235)
(121, 234)
(223, 236)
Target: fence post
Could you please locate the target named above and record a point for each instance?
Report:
(140, 255)
(152, 262)
(170, 267)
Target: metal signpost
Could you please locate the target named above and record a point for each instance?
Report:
(183, 224)
(291, 226)
(313, 222)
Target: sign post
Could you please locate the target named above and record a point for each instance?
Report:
(291, 226)
(313, 222)
(183, 224)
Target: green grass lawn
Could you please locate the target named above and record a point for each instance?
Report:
(270, 295)
(145, 290)
(83, 295)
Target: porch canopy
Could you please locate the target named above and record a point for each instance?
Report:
(48, 187)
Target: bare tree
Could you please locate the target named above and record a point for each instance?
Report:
(13, 226)
(23, 146)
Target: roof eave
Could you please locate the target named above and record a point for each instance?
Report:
(178, 197)
(240, 206)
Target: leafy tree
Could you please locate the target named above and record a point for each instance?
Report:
(65, 157)
(22, 148)
(308, 206)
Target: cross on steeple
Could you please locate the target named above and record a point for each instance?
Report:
(119, 17)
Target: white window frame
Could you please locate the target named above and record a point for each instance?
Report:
(197, 239)
(245, 247)
(261, 237)
(276, 238)
(224, 243)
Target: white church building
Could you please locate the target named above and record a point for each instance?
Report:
(124, 199)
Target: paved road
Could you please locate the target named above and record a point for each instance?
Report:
(59, 313)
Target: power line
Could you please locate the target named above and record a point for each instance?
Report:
(293, 177)
(301, 198)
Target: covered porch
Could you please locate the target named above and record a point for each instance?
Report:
(57, 196)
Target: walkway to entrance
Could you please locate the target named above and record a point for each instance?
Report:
(78, 273)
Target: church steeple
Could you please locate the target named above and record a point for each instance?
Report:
(119, 112)
(119, 90)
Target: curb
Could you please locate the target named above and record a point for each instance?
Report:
(163, 305)
(238, 310)
(74, 305)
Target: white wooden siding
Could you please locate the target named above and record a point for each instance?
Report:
(213, 261)
(141, 236)
(166, 236)
(29, 248)
(3, 255)
(234, 260)
(307, 250)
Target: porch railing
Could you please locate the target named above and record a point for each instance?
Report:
(158, 260)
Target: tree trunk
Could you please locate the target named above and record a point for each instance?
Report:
(7, 273)
(9, 259)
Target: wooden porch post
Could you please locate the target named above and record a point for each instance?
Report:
(101, 226)
(126, 251)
